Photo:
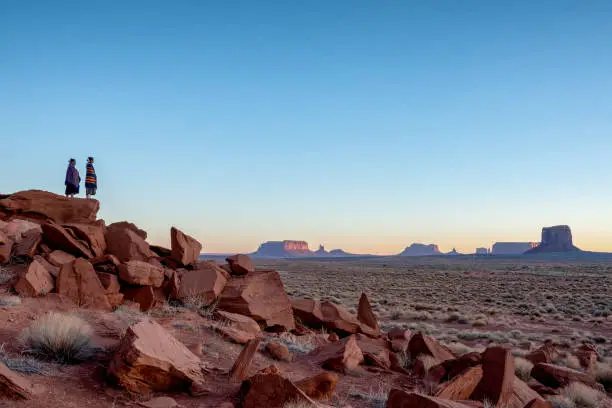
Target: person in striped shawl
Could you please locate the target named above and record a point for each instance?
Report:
(91, 180)
(73, 179)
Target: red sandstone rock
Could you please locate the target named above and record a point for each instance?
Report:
(150, 359)
(320, 386)
(457, 366)
(13, 385)
(587, 356)
(279, 351)
(397, 333)
(26, 237)
(78, 282)
(59, 258)
(240, 322)
(240, 369)
(422, 344)
(366, 316)
(58, 237)
(545, 354)
(114, 299)
(325, 315)
(185, 249)
(342, 356)
(261, 296)
(6, 248)
(402, 399)
(375, 351)
(271, 390)
(205, 283)
(556, 376)
(146, 296)
(235, 335)
(462, 386)
(128, 225)
(522, 395)
(538, 403)
(109, 281)
(42, 205)
(240, 264)
(92, 234)
(498, 379)
(126, 244)
(141, 273)
(37, 281)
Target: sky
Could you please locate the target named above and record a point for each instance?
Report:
(361, 125)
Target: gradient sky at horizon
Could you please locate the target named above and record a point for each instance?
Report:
(360, 125)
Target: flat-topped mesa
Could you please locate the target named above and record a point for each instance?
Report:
(555, 239)
(421, 250)
(512, 248)
(283, 249)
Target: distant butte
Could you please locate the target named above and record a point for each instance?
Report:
(421, 250)
(555, 239)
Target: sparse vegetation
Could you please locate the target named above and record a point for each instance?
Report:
(603, 374)
(6, 275)
(583, 396)
(59, 337)
(8, 300)
(376, 395)
(522, 368)
(22, 364)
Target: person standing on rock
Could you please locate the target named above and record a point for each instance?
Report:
(91, 180)
(73, 179)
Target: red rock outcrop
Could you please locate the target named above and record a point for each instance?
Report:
(25, 235)
(141, 273)
(422, 344)
(342, 356)
(326, 315)
(462, 386)
(13, 385)
(128, 225)
(556, 376)
(555, 239)
(150, 359)
(42, 205)
(92, 234)
(320, 386)
(58, 237)
(6, 248)
(38, 279)
(110, 282)
(185, 249)
(498, 377)
(240, 264)
(59, 258)
(78, 281)
(146, 296)
(240, 322)
(127, 245)
(271, 390)
(261, 296)
(205, 283)
(365, 315)
(375, 351)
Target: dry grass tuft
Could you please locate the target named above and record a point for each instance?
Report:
(522, 368)
(603, 374)
(9, 300)
(428, 362)
(583, 396)
(6, 275)
(63, 338)
(377, 396)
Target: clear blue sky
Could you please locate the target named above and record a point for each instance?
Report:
(364, 125)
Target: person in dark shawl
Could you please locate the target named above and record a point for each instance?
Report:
(91, 180)
(73, 179)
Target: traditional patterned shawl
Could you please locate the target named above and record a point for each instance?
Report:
(91, 181)
(72, 176)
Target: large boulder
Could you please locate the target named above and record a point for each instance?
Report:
(522, 395)
(545, 354)
(375, 351)
(342, 356)
(14, 386)
(240, 264)
(128, 225)
(141, 273)
(109, 281)
(6, 248)
(38, 279)
(326, 315)
(185, 249)
(92, 234)
(402, 399)
(150, 359)
(59, 258)
(79, 282)
(204, 283)
(422, 344)
(555, 239)
(43, 206)
(260, 295)
(147, 297)
(462, 386)
(58, 237)
(26, 236)
(240, 322)
(369, 323)
(554, 376)
(498, 377)
(126, 244)
(271, 390)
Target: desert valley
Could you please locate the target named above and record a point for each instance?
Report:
(93, 315)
